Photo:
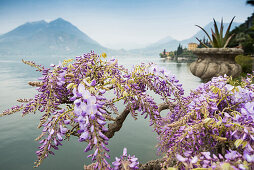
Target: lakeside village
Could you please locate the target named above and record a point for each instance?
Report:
(243, 38)
(182, 54)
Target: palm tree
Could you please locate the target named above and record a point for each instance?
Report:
(250, 2)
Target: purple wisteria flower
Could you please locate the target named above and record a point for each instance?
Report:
(211, 127)
(125, 162)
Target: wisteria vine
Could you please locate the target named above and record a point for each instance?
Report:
(212, 127)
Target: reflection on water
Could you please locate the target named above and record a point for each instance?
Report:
(17, 133)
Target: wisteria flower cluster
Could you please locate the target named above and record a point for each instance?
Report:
(126, 162)
(73, 97)
(213, 127)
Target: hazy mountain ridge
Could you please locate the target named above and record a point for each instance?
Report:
(162, 41)
(200, 34)
(172, 44)
(55, 37)
(60, 37)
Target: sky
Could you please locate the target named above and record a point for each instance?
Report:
(125, 24)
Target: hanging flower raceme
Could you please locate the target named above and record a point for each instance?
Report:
(212, 127)
(71, 96)
(90, 114)
(218, 116)
(126, 162)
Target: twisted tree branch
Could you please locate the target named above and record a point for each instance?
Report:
(116, 126)
(152, 165)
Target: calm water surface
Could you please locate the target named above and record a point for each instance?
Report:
(17, 134)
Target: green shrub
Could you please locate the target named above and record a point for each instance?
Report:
(246, 63)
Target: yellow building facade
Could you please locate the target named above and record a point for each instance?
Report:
(192, 46)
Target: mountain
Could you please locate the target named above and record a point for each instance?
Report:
(156, 48)
(162, 41)
(171, 44)
(58, 37)
(200, 34)
(61, 38)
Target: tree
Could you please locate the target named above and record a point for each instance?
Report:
(250, 2)
(164, 52)
(179, 50)
(244, 35)
(241, 37)
(211, 127)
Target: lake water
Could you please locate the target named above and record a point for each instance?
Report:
(17, 134)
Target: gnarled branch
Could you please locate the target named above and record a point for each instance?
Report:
(152, 165)
(116, 126)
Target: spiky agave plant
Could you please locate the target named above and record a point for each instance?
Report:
(217, 40)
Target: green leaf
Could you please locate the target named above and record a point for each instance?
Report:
(215, 89)
(215, 43)
(125, 94)
(227, 32)
(222, 139)
(237, 124)
(226, 166)
(220, 118)
(215, 27)
(207, 120)
(244, 144)
(202, 43)
(219, 123)
(69, 86)
(221, 29)
(238, 142)
(205, 32)
(217, 39)
(113, 80)
(172, 168)
(227, 41)
(217, 34)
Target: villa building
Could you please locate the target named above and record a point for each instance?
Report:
(192, 46)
